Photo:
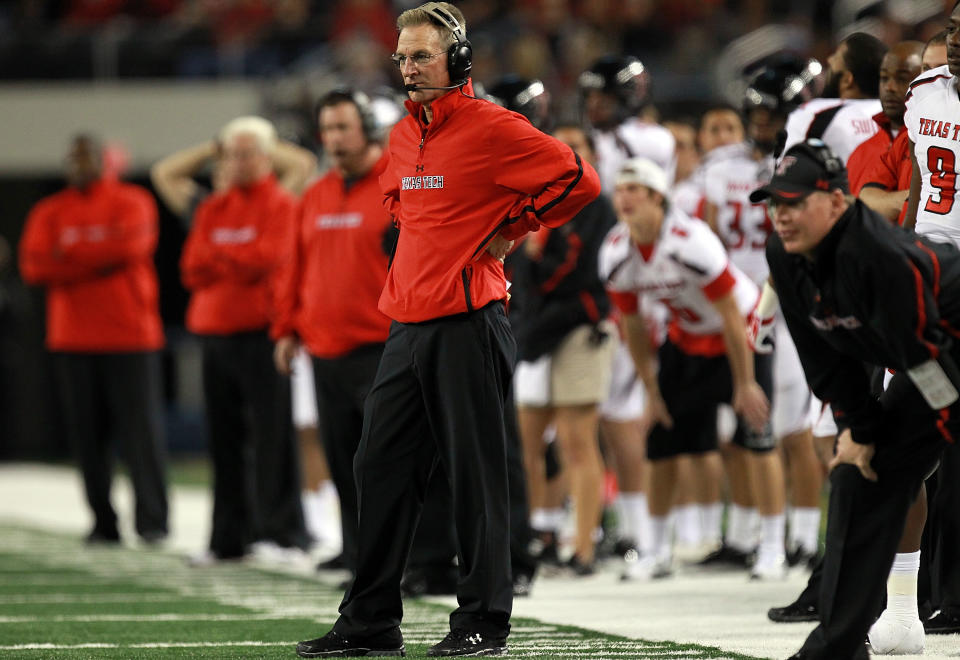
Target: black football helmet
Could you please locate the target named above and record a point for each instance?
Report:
(780, 83)
(625, 78)
(528, 97)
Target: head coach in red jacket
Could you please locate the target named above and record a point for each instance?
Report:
(465, 178)
(91, 246)
(231, 265)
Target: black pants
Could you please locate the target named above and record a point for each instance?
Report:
(435, 544)
(116, 396)
(865, 522)
(943, 523)
(438, 395)
(256, 470)
(342, 385)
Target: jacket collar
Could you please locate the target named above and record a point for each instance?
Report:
(444, 106)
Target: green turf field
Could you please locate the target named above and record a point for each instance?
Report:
(61, 599)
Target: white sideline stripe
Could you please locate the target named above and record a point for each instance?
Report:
(143, 645)
(146, 618)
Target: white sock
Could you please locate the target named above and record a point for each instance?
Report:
(638, 513)
(772, 530)
(711, 522)
(625, 531)
(688, 524)
(540, 521)
(556, 518)
(659, 536)
(740, 534)
(805, 529)
(902, 587)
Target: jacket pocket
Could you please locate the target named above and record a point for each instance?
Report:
(465, 275)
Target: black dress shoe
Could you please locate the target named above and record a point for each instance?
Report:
(522, 585)
(465, 642)
(944, 622)
(795, 612)
(335, 645)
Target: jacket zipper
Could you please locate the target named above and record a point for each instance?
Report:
(465, 275)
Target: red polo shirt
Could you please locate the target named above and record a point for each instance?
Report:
(892, 171)
(331, 291)
(868, 153)
(93, 251)
(231, 257)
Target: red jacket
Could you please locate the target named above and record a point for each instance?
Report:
(869, 152)
(476, 170)
(231, 257)
(892, 171)
(93, 251)
(330, 294)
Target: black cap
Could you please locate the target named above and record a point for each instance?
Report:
(807, 167)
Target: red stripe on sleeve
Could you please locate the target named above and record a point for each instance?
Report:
(936, 268)
(922, 311)
(628, 303)
(721, 286)
(942, 426)
(590, 305)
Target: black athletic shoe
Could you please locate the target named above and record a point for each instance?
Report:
(726, 557)
(944, 622)
(799, 556)
(335, 645)
(795, 612)
(464, 642)
(101, 537)
(581, 568)
(333, 564)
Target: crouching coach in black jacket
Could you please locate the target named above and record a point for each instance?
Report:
(858, 293)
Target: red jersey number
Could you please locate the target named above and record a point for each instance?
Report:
(943, 176)
(735, 236)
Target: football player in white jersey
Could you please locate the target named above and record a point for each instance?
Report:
(843, 116)
(744, 228)
(613, 91)
(658, 251)
(931, 121)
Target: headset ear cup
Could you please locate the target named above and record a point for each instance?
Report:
(459, 61)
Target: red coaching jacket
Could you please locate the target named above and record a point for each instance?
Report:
(230, 259)
(93, 251)
(330, 295)
(475, 171)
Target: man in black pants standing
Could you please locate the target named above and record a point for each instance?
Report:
(854, 290)
(465, 178)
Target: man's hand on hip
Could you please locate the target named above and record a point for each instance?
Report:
(499, 247)
(854, 453)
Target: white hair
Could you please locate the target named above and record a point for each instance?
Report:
(258, 127)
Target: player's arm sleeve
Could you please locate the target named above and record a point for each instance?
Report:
(288, 282)
(551, 183)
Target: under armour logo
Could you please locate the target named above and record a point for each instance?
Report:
(419, 168)
(475, 639)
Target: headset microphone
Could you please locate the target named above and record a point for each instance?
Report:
(416, 88)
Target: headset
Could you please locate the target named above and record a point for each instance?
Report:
(368, 120)
(825, 158)
(460, 53)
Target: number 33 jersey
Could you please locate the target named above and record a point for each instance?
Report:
(686, 269)
(743, 226)
(933, 123)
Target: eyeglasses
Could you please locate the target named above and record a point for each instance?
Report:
(419, 59)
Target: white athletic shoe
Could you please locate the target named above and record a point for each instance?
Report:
(644, 567)
(890, 636)
(769, 567)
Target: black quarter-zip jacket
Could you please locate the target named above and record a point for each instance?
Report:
(873, 295)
